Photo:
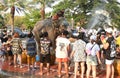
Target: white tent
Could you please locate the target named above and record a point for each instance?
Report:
(18, 11)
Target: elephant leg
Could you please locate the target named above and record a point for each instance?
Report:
(52, 38)
(37, 39)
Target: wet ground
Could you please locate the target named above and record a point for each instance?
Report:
(7, 71)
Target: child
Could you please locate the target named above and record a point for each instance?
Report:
(9, 52)
(3, 51)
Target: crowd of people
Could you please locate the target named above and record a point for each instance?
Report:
(87, 53)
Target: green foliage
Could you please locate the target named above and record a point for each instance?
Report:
(1, 21)
(79, 10)
(31, 19)
(114, 9)
(18, 21)
(76, 9)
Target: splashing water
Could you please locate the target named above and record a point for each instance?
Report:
(99, 16)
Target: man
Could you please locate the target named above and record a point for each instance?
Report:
(58, 14)
(45, 44)
(31, 50)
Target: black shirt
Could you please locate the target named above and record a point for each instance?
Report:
(107, 51)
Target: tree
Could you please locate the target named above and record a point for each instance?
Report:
(82, 10)
(44, 4)
(113, 7)
(77, 9)
(1, 21)
(14, 5)
(31, 19)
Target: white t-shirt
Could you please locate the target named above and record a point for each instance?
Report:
(94, 50)
(61, 47)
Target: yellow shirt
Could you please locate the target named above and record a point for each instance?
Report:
(118, 40)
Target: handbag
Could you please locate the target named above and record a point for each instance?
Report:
(89, 50)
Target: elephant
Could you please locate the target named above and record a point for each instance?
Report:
(53, 27)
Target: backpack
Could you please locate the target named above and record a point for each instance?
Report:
(113, 49)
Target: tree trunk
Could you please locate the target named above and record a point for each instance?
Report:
(42, 11)
(12, 17)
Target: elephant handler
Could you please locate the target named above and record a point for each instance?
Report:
(45, 56)
(58, 14)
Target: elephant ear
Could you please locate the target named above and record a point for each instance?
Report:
(63, 22)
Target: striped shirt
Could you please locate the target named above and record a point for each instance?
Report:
(31, 47)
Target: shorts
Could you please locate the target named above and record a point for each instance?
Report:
(30, 59)
(92, 60)
(2, 53)
(17, 52)
(45, 58)
(10, 53)
(62, 59)
(109, 61)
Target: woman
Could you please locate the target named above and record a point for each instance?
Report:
(79, 55)
(62, 49)
(93, 56)
(17, 49)
(108, 53)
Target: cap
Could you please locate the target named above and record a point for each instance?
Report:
(93, 37)
(108, 30)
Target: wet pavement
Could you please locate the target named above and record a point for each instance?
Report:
(7, 71)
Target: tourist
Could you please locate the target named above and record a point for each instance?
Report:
(117, 51)
(9, 51)
(62, 49)
(16, 49)
(107, 51)
(31, 50)
(4, 37)
(93, 56)
(45, 44)
(118, 39)
(79, 55)
(3, 51)
(72, 39)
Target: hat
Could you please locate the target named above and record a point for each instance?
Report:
(108, 30)
(93, 37)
